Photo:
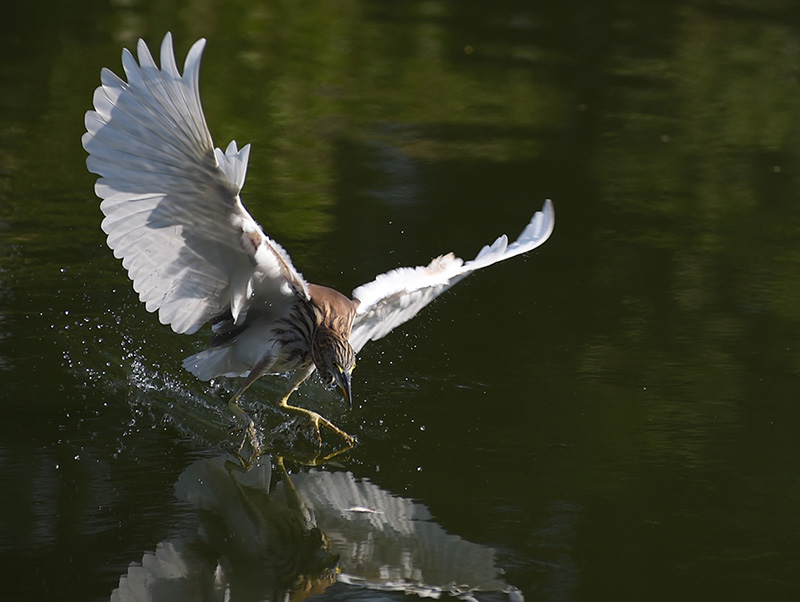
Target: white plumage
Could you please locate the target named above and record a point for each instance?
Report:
(174, 216)
(171, 200)
(397, 296)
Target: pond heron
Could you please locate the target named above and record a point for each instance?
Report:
(174, 216)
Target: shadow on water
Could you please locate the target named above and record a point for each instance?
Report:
(266, 535)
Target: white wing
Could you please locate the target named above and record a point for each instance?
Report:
(397, 296)
(171, 200)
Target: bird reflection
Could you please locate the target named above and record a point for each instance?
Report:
(317, 534)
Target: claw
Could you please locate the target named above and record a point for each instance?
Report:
(313, 419)
(317, 420)
(249, 435)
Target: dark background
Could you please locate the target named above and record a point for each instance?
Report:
(615, 414)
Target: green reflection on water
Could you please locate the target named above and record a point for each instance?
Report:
(635, 434)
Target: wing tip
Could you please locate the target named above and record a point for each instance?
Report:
(548, 214)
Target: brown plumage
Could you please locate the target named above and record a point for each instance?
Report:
(331, 352)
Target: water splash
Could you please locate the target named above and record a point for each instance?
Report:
(141, 370)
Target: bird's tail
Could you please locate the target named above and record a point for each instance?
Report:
(217, 361)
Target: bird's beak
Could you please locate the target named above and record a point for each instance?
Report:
(344, 379)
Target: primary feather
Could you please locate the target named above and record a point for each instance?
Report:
(171, 200)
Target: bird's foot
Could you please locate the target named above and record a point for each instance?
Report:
(316, 421)
(248, 428)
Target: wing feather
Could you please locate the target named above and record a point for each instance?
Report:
(397, 296)
(171, 200)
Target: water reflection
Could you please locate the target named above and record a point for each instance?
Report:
(330, 535)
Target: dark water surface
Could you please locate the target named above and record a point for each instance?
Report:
(615, 415)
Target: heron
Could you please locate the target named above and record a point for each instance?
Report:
(174, 215)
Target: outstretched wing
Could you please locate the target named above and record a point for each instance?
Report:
(397, 296)
(171, 200)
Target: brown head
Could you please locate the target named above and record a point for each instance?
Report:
(331, 352)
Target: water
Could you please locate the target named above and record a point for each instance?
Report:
(614, 415)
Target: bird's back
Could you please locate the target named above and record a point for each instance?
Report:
(279, 343)
(335, 310)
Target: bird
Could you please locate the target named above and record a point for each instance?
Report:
(173, 214)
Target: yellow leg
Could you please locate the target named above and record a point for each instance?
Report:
(249, 428)
(313, 417)
(316, 420)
